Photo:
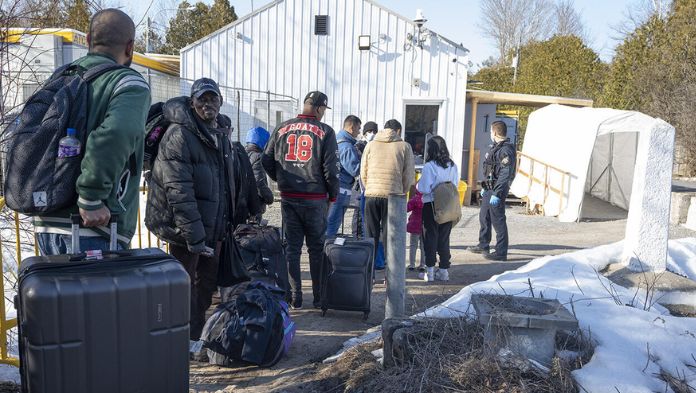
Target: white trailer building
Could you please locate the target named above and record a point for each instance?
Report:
(370, 61)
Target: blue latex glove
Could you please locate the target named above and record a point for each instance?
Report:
(495, 201)
(482, 192)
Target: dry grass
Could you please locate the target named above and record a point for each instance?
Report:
(449, 356)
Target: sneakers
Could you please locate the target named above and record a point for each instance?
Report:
(477, 250)
(441, 275)
(196, 351)
(428, 275)
(297, 303)
(495, 257)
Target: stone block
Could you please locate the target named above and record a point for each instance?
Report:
(690, 221)
(525, 326)
(390, 327)
(674, 292)
(680, 207)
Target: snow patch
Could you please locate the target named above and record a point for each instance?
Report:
(633, 345)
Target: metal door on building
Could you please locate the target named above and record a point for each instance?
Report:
(421, 123)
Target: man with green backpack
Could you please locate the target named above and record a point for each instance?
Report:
(95, 169)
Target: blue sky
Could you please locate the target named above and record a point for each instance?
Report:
(457, 20)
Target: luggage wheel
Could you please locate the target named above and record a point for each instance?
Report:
(366, 315)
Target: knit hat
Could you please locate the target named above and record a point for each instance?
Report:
(258, 136)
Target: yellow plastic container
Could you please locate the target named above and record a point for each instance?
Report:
(462, 191)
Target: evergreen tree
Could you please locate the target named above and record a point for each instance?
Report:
(190, 25)
(220, 15)
(77, 15)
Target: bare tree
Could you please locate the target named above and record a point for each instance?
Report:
(638, 13)
(512, 23)
(568, 20)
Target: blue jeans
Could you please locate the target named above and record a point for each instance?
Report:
(336, 213)
(56, 244)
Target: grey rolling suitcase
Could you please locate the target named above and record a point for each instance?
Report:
(346, 275)
(119, 324)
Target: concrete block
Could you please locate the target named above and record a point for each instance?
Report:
(525, 326)
(690, 221)
(674, 292)
(647, 227)
(389, 327)
(680, 207)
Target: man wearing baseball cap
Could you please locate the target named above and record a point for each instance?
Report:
(192, 190)
(301, 157)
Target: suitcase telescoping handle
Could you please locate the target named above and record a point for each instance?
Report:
(76, 220)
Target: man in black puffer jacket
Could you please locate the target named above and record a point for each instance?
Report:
(198, 189)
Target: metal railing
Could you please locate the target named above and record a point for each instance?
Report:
(142, 238)
(545, 181)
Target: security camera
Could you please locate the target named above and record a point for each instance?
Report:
(420, 19)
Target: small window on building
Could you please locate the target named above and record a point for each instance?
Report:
(321, 25)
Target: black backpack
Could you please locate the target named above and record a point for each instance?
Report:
(155, 127)
(262, 250)
(37, 181)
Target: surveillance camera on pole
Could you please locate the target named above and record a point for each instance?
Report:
(420, 19)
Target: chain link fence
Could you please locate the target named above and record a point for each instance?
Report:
(246, 108)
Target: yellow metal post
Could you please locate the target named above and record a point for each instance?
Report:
(140, 236)
(6, 325)
(18, 243)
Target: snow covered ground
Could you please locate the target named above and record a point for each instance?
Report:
(634, 345)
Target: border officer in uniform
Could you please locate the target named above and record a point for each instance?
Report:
(499, 171)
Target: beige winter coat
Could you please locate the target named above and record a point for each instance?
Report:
(387, 166)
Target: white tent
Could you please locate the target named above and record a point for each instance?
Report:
(569, 152)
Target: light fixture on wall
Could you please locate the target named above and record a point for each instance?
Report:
(420, 35)
(364, 42)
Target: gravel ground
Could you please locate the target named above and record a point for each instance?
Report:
(317, 337)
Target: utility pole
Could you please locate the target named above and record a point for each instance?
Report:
(147, 48)
(147, 35)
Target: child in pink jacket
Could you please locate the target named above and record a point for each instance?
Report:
(414, 227)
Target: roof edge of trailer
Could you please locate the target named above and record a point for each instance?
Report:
(71, 36)
(533, 100)
(276, 2)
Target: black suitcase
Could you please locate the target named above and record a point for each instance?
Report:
(346, 275)
(119, 324)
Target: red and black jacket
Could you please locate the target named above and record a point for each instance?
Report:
(302, 157)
